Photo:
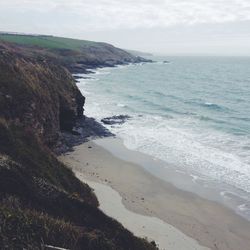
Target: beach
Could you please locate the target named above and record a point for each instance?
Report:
(191, 222)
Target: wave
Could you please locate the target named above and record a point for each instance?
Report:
(161, 94)
(207, 118)
(121, 105)
(184, 150)
(212, 106)
(152, 106)
(208, 105)
(245, 119)
(244, 207)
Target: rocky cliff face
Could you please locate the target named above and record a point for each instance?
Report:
(41, 201)
(104, 55)
(96, 55)
(37, 94)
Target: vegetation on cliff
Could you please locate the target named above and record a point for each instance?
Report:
(41, 201)
(76, 55)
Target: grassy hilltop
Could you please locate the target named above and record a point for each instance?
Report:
(75, 55)
(50, 42)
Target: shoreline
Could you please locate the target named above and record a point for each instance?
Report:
(202, 154)
(153, 229)
(207, 222)
(181, 179)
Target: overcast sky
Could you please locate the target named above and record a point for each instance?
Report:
(215, 27)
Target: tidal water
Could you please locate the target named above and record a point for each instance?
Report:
(192, 113)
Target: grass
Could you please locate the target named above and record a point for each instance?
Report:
(41, 201)
(29, 229)
(50, 42)
(24, 148)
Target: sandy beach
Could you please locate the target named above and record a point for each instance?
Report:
(191, 222)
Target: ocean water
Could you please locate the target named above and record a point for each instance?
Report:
(192, 113)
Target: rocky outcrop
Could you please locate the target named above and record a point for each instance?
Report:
(116, 119)
(93, 56)
(37, 94)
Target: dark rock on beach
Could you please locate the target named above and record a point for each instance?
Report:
(85, 128)
(116, 119)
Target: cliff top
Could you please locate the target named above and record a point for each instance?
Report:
(45, 41)
(75, 55)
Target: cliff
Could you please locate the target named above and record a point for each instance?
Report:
(41, 201)
(76, 55)
(37, 94)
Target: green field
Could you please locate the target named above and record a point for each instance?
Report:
(46, 41)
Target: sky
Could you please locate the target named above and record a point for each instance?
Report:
(171, 27)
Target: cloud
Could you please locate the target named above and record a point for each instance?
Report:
(121, 14)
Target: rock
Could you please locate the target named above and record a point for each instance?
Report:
(75, 132)
(86, 128)
(116, 119)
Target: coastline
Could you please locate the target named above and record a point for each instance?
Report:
(210, 224)
(153, 229)
(194, 151)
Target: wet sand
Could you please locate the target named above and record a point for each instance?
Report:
(166, 236)
(207, 222)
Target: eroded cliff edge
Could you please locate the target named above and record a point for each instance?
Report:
(41, 201)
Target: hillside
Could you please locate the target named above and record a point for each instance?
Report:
(41, 201)
(75, 55)
(49, 42)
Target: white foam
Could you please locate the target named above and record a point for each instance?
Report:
(225, 196)
(102, 72)
(243, 208)
(194, 178)
(209, 103)
(185, 150)
(121, 105)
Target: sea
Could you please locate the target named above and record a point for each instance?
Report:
(192, 113)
